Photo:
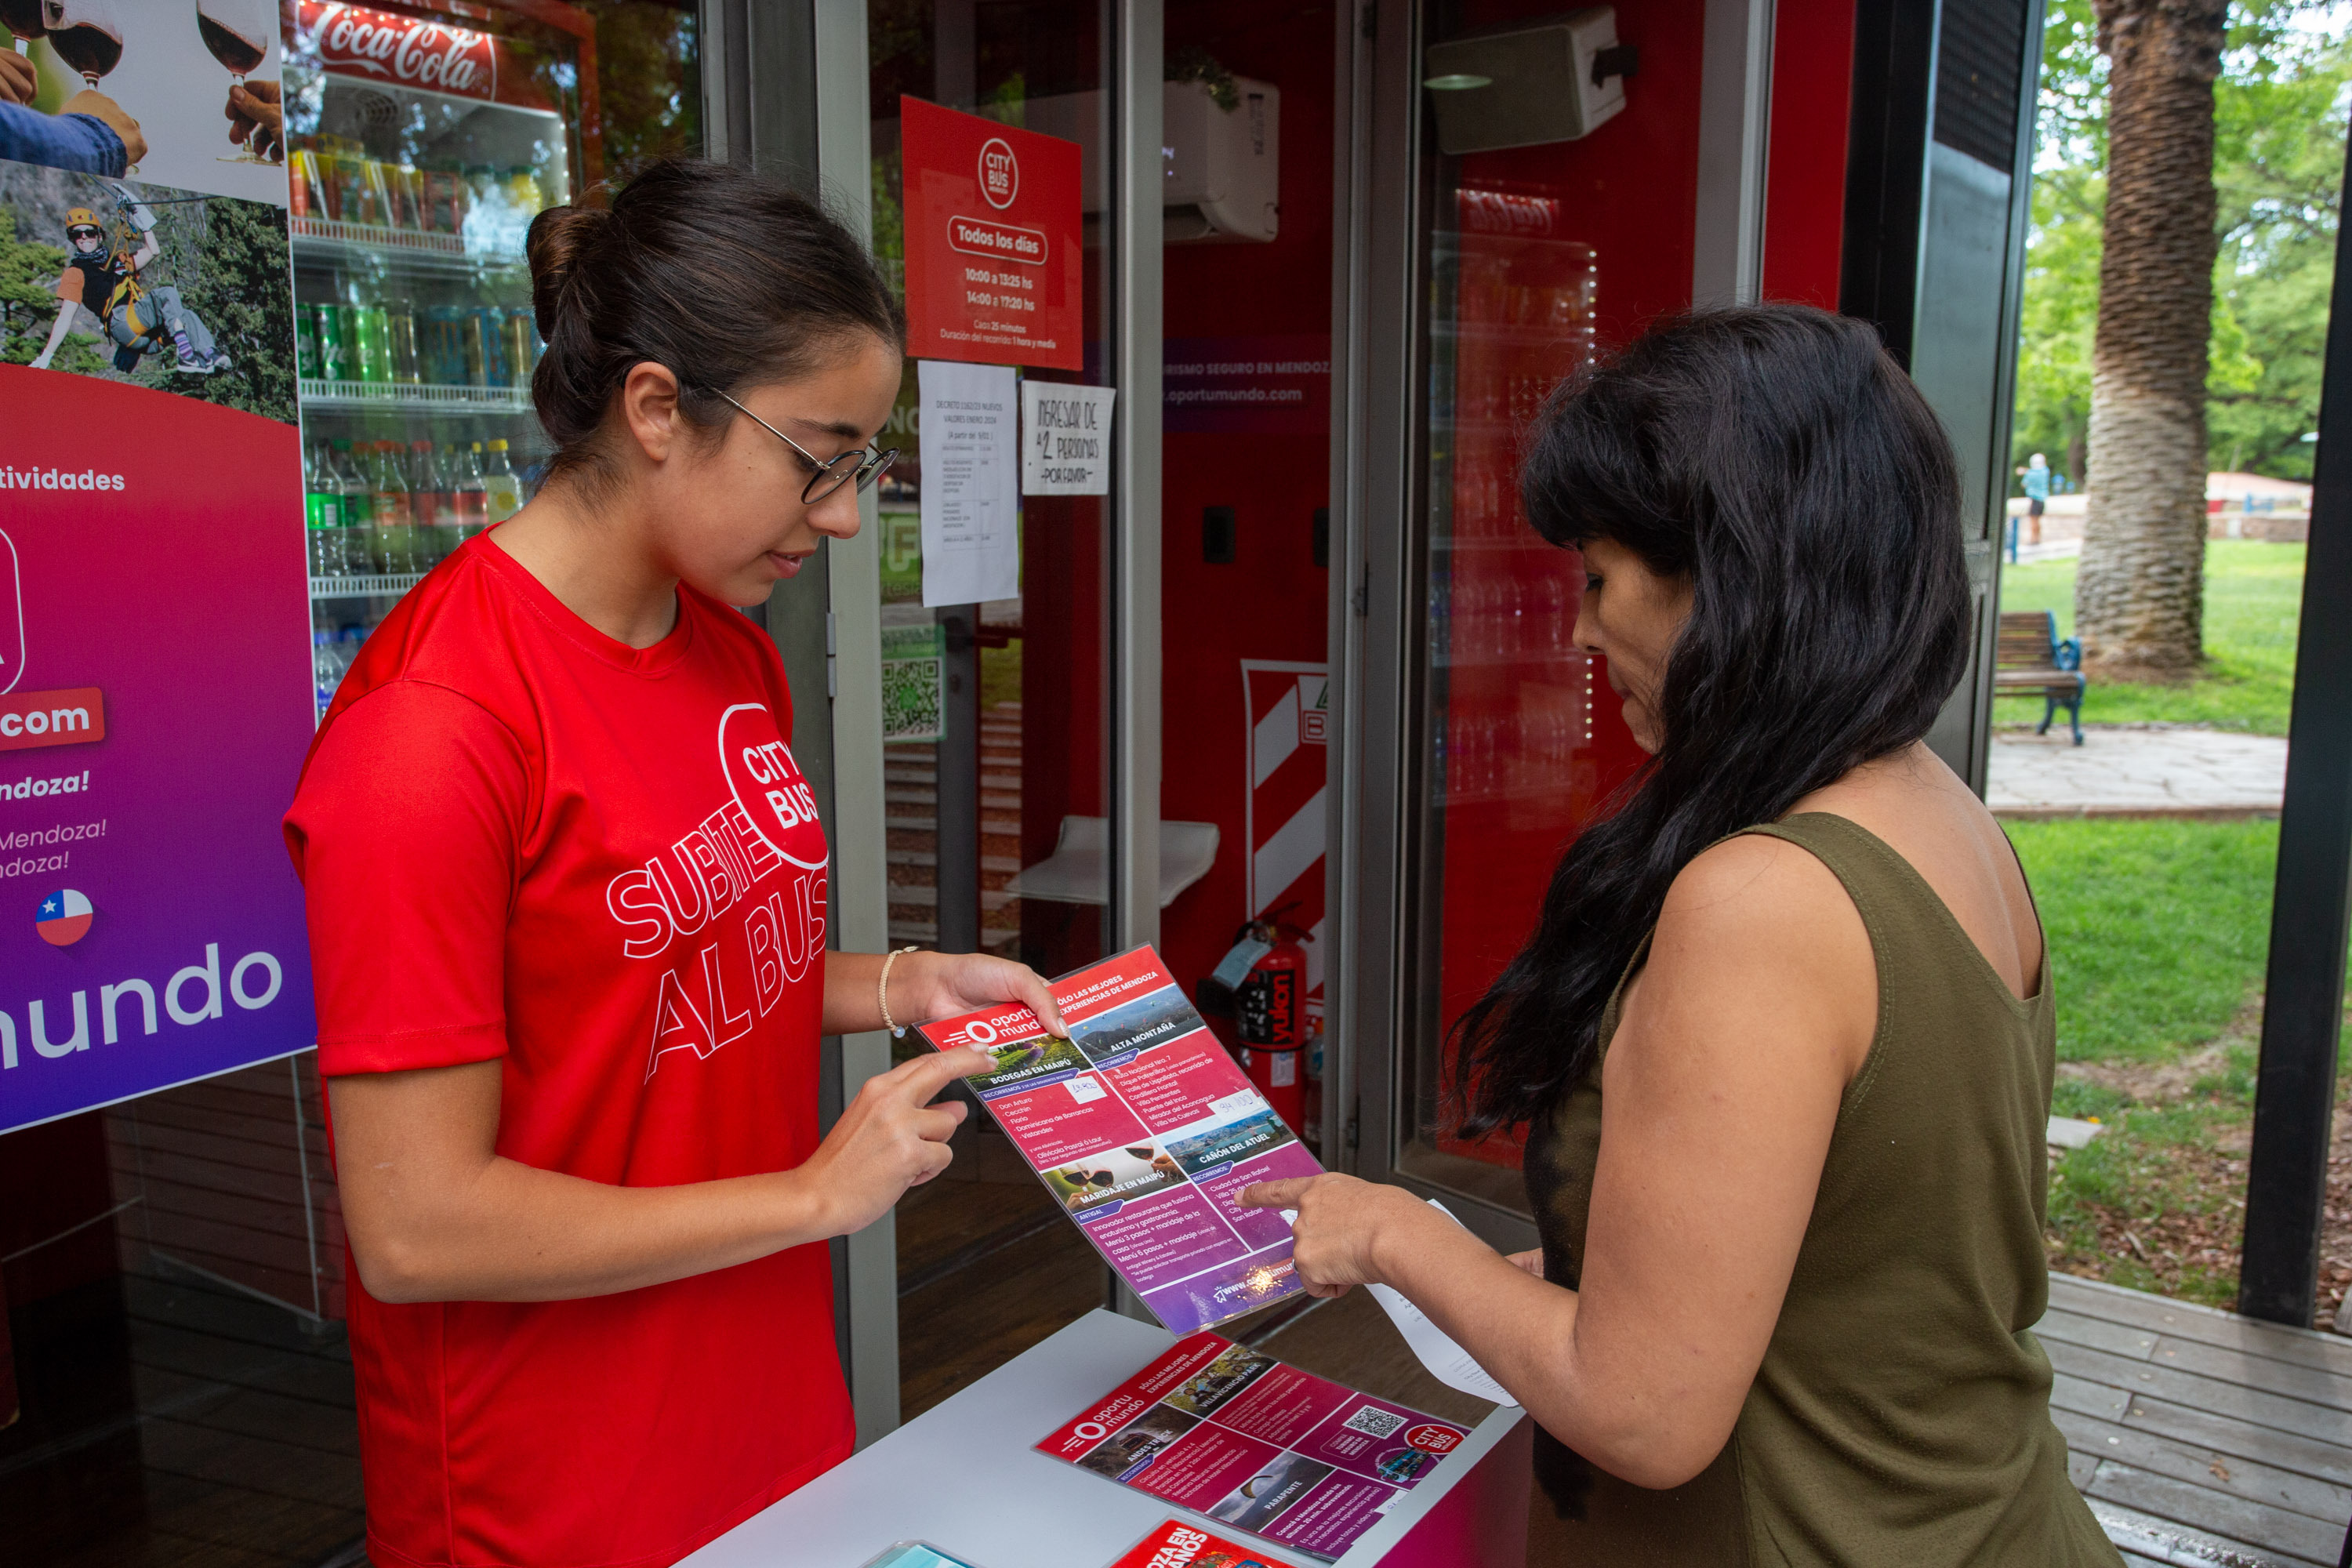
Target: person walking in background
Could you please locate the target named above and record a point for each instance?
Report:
(2036, 478)
(107, 282)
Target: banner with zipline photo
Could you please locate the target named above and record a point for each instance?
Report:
(154, 696)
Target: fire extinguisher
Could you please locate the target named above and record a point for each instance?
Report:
(1270, 1005)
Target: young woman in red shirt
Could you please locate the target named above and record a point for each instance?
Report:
(567, 906)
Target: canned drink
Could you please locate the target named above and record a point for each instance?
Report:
(405, 183)
(305, 198)
(402, 325)
(374, 325)
(497, 369)
(471, 346)
(332, 325)
(306, 346)
(521, 339)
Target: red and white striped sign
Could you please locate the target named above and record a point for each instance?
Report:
(1289, 709)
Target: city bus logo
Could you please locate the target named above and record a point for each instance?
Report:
(1000, 172)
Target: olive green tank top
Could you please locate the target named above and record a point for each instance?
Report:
(1902, 1413)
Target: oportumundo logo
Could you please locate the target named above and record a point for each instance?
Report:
(1000, 172)
(193, 995)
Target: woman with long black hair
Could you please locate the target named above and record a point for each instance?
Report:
(567, 898)
(1783, 1039)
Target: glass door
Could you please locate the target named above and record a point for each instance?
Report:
(423, 140)
(174, 1387)
(996, 761)
(1530, 261)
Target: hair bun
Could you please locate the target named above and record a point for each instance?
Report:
(558, 238)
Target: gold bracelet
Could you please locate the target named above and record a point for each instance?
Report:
(882, 993)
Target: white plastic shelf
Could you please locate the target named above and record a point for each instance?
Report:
(383, 586)
(427, 397)
(376, 243)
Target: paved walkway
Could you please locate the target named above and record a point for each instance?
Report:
(2121, 772)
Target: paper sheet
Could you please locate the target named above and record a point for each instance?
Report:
(1446, 1360)
(972, 482)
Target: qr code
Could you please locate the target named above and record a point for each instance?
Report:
(1375, 1422)
(911, 698)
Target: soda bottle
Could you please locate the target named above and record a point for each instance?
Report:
(323, 514)
(400, 323)
(395, 542)
(469, 491)
(374, 334)
(502, 491)
(348, 480)
(428, 502)
(447, 535)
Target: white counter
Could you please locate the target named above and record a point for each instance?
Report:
(965, 1477)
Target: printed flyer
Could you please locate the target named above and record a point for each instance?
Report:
(1218, 1428)
(1175, 1544)
(1146, 1128)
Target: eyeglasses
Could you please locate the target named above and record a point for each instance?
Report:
(82, 231)
(860, 466)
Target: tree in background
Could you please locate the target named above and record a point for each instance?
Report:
(229, 257)
(2140, 591)
(2280, 110)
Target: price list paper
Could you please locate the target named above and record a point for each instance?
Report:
(972, 482)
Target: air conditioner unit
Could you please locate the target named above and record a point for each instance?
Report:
(1220, 167)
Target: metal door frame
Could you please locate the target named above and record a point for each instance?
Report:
(1381, 861)
(793, 76)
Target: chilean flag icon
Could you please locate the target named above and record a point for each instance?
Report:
(64, 918)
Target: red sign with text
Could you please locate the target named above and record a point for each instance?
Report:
(414, 52)
(994, 273)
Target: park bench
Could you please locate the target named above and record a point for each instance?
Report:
(2033, 660)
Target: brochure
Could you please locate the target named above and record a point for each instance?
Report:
(1218, 1428)
(1145, 1128)
(1175, 1544)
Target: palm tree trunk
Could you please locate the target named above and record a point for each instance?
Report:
(2140, 592)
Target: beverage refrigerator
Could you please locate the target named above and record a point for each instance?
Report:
(1524, 743)
(421, 142)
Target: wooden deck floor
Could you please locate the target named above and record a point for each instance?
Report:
(2200, 1437)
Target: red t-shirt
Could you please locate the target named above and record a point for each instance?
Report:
(520, 839)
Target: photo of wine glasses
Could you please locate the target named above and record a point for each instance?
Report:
(23, 21)
(86, 34)
(238, 32)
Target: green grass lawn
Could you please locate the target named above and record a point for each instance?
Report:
(2252, 592)
(2157, 932)
(2158, 929)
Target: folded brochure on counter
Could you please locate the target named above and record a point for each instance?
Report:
(1145, 1128)
(1216, 1428)
(1175, 1544)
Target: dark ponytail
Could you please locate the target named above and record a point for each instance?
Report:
(1777, 457)
(728, 278)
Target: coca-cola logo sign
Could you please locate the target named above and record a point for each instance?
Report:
(1504, 212)
(408, 50)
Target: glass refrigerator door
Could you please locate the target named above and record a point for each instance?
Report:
(1524, 740)
(422, 142)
